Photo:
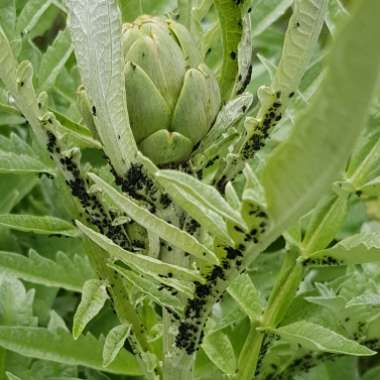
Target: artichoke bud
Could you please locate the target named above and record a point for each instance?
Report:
(172, 97)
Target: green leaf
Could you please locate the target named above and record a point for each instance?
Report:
(159, 294)
(244, 292)
(114, 343)
(325, 222)
(316, 337)
(94, 296)
(266, 12)
(336, 13)
(16, 304)
(20, 164)
(372, 374)
(206, 194)
(303, 167)
(44, 225)
(8, 17)
(53, 60)
(219, 350)
(63, 272)
(12, 377)
(356, 249)
(300, 42)
(96, 27)
(31, 14)
(230, 17)
(130, 9)
(139, 262)
(366, 299)
(40, 343)
(372, 188)
(166, 231)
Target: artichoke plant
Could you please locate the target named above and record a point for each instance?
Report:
(172, 96)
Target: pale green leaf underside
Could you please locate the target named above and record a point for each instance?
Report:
(63, 272)
(219, 350)
(243, 291)
(14, 163)
(151, 222)
(114, 343)
(96, 34)
(303, 167)
(367, 299)
(139, 261)
(94, 295)
(317, 337)
(44, 225)
(40, 343)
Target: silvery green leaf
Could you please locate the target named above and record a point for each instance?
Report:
(154, 290)
(317, 154)
(366, 299)
(114, 342)
(131, 9)
(21, 164)
(220, 351)
(266, 12)
(63, 272)
(244, 292)
(31, 14)
(300, 42)
(95, 26)
(54, 59)
(140, 262)
(94, 296)
(232, 197)
(316, 337)
(44, 225)
(356, 249)
(56, 322)
(59, 346)
(205, 216)
(10, 115)
(166, 231)
(8, 18)
(206, 194)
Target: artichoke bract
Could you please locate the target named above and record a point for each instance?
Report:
(172, 96)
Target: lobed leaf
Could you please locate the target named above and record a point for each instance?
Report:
(40, 343)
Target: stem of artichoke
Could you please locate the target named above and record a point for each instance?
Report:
(283, 293)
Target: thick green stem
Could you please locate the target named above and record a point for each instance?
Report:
(249, 356)
(282, 295)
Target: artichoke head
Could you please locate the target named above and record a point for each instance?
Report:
(172, 96)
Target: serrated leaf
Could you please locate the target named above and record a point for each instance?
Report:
(304, 166)
(53, 60)
(94, 296)
(220, 351)
(40, 343)
(44, 225)
(168, 232)
(95, 26)
(153, 289)
(356, 249)
(63, 272)
(139, 262)
(114, 343)
(244, 292)
(367, 299)
(316, 337)
(207, 194)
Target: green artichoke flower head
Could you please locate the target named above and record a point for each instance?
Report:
(172, 96)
